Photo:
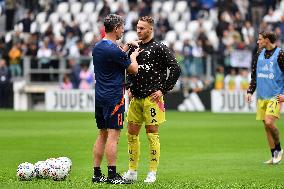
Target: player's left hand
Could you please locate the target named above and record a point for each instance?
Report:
(156, 96)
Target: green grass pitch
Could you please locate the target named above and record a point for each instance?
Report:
(198, 150)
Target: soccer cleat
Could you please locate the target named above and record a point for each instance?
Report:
(277, 156)
(99, 179)
(151, 177)
(130, 175)
(268, 161)
(117, 180)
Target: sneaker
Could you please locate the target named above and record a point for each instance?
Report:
(130, 175)
(99, 179)
(268, 161)
(117, 180)
(151, 177)
(277, 156)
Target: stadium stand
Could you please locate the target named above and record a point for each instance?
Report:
(222, 27)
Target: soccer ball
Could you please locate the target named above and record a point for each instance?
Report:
(66, 161)
(58, 171)
(26, 171)
(42, 169)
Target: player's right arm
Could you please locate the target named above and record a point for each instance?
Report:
(252, 85)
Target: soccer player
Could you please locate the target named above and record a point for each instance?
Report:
(158, 73)
(267, 79)
(110, 62)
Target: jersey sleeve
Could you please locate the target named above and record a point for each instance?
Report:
(252, 85)
(174, 70)
(280, 60)
(121, 58)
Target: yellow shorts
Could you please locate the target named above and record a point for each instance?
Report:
(144, 111)
(267, 107)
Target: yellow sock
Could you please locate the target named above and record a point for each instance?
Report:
(154, 144)
(133, 151)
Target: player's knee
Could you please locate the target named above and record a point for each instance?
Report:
(268, 123)
(152, 129)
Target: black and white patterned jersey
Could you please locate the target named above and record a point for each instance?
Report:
(158, 70)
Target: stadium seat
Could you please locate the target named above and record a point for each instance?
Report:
(185, 16)
(282, 6)
(75, 8)
(193, 26)
(88, 7)
(130, 36)
(168, 6)
(85, 27)
(18, 27)
(53, 18)
(174, 17)
(156, 6)
(81, 17)
(66, 17)
(181, 6)
(41, 17)
(62, 8)
(8, 37)
(207, 25)
(57, 28)
(178, 45)
(171, 36)
(93, 17)
(43, 27)
(33, 27)
(114, 6)
(212, 37)
(99, 6)
(180, 26)
(186, 35)
(88, 37)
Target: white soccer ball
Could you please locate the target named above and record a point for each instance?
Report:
(26, 171)
(42, 169)
(67, 161)
(58, 171)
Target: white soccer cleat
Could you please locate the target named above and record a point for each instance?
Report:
(130, 175)
(277, 156)
(151, 177)
(269, 162)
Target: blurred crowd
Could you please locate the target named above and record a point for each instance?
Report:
(223, 27)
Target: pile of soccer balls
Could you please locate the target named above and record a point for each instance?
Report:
(54, 168)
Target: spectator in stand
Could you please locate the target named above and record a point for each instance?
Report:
(3, 49)
(248, 33)
(86, 77)
(44, 54)
(271, 17)
(197, 65)
(194, 8)
(230, 80)
(10, 9)
(4, 82)
(196, 85)
(27, 21)
(243, 80)
(280, 25)
(66, 84)
(15, 55)
(131, 18)
(219, 78)
(104, 11)
(257, 11)
(75, 73)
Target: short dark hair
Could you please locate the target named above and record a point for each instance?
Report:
(148, 19)
(268, 35)
(112, 21)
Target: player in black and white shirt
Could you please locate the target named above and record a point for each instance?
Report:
(157, 74)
